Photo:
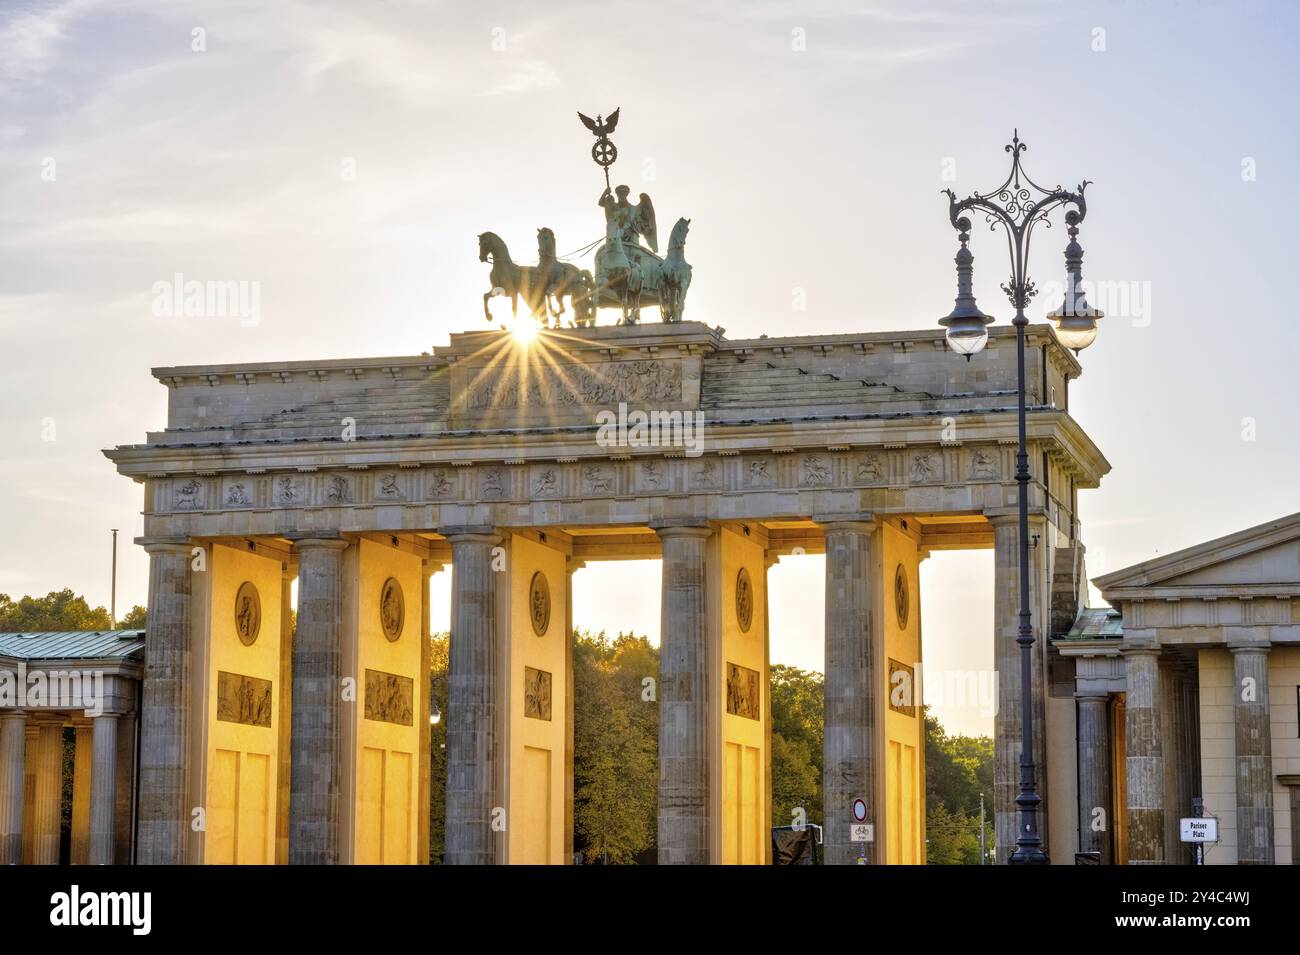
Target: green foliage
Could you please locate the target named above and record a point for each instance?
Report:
(57, 610)
(615, 747)
(135, 619)
(439, 663)
(797, 722)
(957, 770)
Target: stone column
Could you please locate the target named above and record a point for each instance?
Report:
(284, 713)
(423, 695)
(685, 670)
(1292, 783)
(317, 657)
(1254, 755)
(1145, 764)
(82, 783)
(13, 750)
(49, 791)
(124, 837)
(1006, 663)
(475, 687)
(851, 762)
(164, 812)
(1095, 803)
(103, 789)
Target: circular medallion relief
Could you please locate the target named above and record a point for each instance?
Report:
(744, 600)
(539, 603)
(392, 609)
(902, 601)
(248, 613)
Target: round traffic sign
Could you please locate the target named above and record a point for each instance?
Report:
(860, 810)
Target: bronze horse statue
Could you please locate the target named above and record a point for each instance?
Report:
(510, 279)
(565, 279)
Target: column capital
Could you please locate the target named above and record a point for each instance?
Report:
(480, 533)
(1010, 515)
(1246, 645)
(681, 527)
(14, 713)
(320, 543)
(166, 545)
(864, 522)
(1091, 696)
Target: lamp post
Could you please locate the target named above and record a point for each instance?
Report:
(1018, 206)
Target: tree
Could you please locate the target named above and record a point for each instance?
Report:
(615, 746)
(439, 666)
(136, 618)
(57, 610)
(797, 733)
(957, 770)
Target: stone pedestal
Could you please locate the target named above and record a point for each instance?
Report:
(164, 812)
(317, 654)
(851, 760)
(474, 692)
(1253, 755)
(684, 687)
(103, 789)
(13, 751)
(1145, 764)
(1095, 823)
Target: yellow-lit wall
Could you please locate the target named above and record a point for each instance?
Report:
(904, 753)
(742, 792)
(240, 791)
(535, 819)
(387, 754)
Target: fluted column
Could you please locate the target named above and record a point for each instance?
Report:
(103, 789)
(284, 713)
(851, 762)
(1007, 733)
(13, 751)
(164, 813)
(124, 814)
(424, 690)
(684, 689)
(475, 686)
(1095, 803)
(317, 657)
(49, 792)
(1145, 764)
(1254, 755)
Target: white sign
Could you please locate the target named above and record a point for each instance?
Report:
(862, 832)
(860, 810)
(1199, 829)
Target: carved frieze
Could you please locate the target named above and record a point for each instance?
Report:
(392, 609)
(742, 691)
(238, 495)
(243, 699)
(902, 688)
(575, 385)
(338, 490)
(488, 483)
(744, 600)
(539, 603)
(537, 694)
(390, 698)
(816, 471)
(248, 613)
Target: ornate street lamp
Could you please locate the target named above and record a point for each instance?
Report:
(1018, 205)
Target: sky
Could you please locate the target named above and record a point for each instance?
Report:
(344, 157)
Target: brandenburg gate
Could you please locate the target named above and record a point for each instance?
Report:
(266, 739)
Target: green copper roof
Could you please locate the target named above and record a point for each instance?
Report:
(74, 645)
(1096, 623)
